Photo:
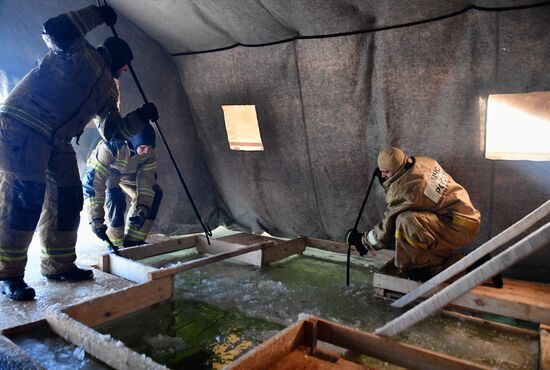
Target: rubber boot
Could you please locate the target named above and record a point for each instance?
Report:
(15, 288)
(74, 274)
(422, 274)
(132, 243)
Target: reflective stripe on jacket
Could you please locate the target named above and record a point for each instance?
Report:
(71, 86)
(111, 163)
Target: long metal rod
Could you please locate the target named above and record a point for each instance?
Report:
(488, 247)
(374, 175)
(207, 231)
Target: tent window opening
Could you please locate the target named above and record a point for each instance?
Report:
(241, 124)
(518, 126)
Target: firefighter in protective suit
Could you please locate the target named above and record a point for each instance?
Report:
(428, 216)
(115, 169)
(39, 180)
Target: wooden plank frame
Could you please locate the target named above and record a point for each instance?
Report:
(123, 302)
(74, 323)
(111, 351)
(517, 299)
(261, 254)
(271, 353)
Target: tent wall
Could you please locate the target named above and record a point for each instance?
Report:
(326, 106)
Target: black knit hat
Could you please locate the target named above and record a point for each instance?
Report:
(119, 51)
(146, 136)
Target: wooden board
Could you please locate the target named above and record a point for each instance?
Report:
(282, 250)
(544, 357)
(271, 351)
(189, 265)
(248, 239)
(383, 255)
(112, 352)
(128, 269)
(121, 303)
(302, 358)
(295, 348)
(167, 246)
(517, 299)
(389, 350)
(218, 246)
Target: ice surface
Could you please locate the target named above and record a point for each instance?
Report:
(314, 283)
(52, 352)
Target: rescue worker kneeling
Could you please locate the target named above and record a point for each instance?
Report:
(428, 217)
(115, 169)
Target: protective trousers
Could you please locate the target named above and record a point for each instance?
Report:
(119, 231)
(38, 181)
(425, 239)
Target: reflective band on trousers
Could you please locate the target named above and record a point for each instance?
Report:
(465, 222)
(402, 236)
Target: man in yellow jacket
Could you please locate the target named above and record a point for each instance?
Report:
(428, 215)
(116, 169)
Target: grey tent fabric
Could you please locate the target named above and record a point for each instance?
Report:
(325, 105)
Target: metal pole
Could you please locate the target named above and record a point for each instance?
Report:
(207, 231)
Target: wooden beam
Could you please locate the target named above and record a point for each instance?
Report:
(103, 263)
(517, 299)
(494, 243)
(302, 358)
(492, 325)
(13, 357)
(544, 357)
(129, 269)
(383, 255)
(269, 352)
(167, 246)
(282, 250)
(218, 247)
(111, 351)
(248, 239)
(516, 252)
(386, 349)
(122, 302)
(185, 266)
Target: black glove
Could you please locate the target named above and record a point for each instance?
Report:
(149, 112)
(353, 237)
(108, 14)
(99, 228)
(138, 218)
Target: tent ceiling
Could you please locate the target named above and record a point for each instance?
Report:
(184, 25)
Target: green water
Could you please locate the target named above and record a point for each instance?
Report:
(229, 297)
(190, 335)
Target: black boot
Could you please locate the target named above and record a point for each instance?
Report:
(74, 274)
(16, 289)
(422, 274)
(132, 243)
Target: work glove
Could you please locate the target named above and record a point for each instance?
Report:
(138, 218)
(353, 237)
(108, 14)
(99, 228)
(149, 112)
(370, 242)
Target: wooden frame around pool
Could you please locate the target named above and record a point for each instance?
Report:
(298, 344)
